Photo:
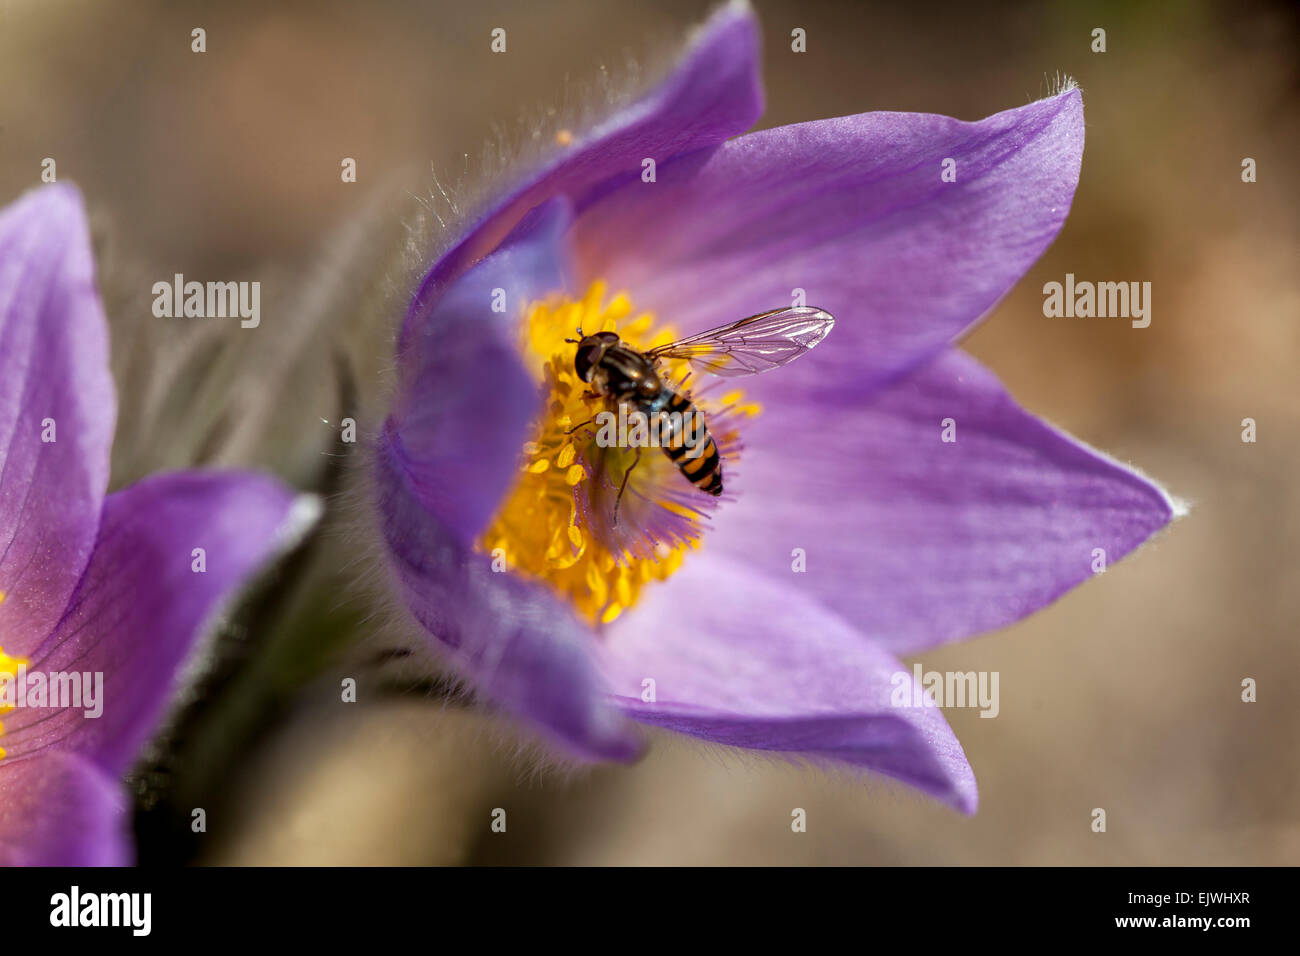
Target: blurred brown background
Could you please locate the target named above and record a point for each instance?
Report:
(1124, 695)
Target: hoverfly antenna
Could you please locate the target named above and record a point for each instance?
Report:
(579, 338)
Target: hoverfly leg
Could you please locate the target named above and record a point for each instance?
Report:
(623, 487)
(570, 431)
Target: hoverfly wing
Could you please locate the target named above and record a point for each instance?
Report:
(755, 344)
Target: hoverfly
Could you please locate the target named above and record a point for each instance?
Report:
(626, 376)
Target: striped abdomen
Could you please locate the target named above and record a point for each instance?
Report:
(685, 439)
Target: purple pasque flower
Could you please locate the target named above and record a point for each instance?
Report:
(102, 593)
(850, 532)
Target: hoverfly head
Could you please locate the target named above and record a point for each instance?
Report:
(591, 349)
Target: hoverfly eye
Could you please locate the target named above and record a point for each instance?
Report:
(584, 360)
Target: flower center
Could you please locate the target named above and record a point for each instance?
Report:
(564, 522)
(9, 667)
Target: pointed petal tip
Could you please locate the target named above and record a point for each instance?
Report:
(949, 778)
(1064, 99)
(1066, 85)
(60, 204)
(304, 511)
(965, 798)
(141, 607)
(946, 775)
(1170, 506)
(731, 12)
(1175, 507)
(767, 668)
(1071, 96)
(620, 742)
(1062, 86)
(52, 195)
(729, 39)
(1067, 99)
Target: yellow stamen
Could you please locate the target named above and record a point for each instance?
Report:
(9, 667)
(544, 527)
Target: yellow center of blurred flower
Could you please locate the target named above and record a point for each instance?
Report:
(9, 667)
(555, 525)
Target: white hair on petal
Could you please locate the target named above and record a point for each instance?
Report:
(1058, 84)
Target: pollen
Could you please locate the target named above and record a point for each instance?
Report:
(557, 524)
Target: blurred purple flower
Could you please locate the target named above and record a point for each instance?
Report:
(93, 583)
(910, 542)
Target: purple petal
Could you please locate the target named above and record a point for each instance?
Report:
(852, 211)
(917, 541)
(141, 606)
(465, 401)
(714, 93)
(516, 643)
(748, 660)
(54, 382)
(59, 809)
